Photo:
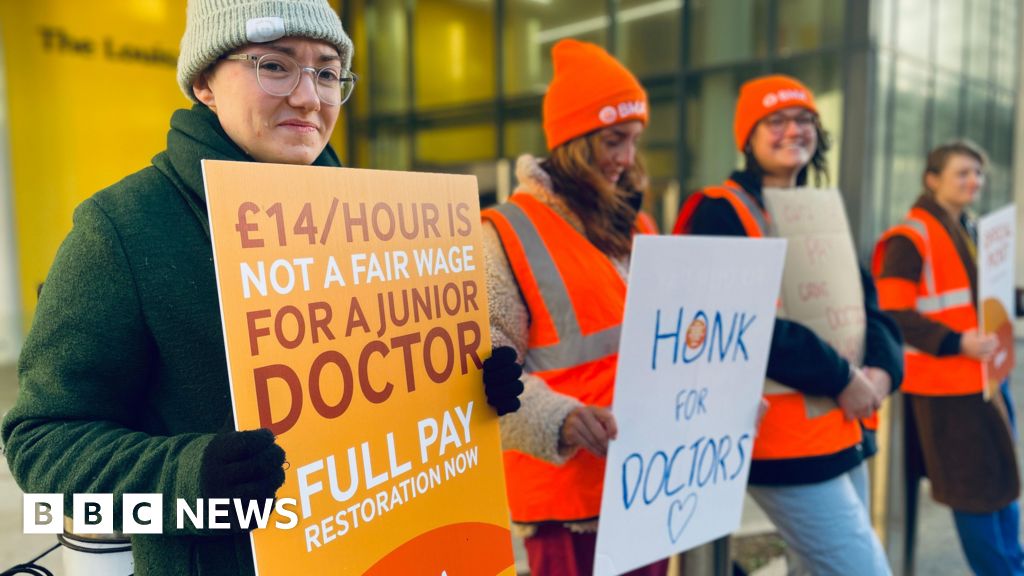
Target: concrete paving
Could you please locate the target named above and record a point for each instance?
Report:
(938, 548)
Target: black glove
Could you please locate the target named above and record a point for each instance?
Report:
(501, 380)
(244, 465)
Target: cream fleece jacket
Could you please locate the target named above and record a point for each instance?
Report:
(535, 428)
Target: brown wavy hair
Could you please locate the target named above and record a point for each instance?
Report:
(608, 211)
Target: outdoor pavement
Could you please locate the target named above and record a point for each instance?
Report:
(938, 548)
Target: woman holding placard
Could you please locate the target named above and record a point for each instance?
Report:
(557, 258)
(808, 471)
(123, 377)
(927, 274)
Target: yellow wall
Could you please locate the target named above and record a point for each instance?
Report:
(86, 108)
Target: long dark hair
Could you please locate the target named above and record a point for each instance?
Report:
(607, 211)
(819, 163)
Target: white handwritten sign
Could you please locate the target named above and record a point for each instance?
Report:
(996, 240)
(692, 359)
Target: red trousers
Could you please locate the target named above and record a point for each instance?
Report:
(554, 550)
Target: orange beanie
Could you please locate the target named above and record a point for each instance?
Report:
(764, 96)
(590, 90)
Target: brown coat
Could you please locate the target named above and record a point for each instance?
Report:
(964, 443)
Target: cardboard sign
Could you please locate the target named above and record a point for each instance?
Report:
(692, 360)
(996, 291)
(821, 287)
(355, 320)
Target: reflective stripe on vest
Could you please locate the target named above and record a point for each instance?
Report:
(935, 301)
(750, 215)
(573, 347)
(944, 301)
(927, 272)
(944, 296)
(576, 298)
(753, 211)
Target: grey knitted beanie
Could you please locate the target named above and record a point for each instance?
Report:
(216, 27)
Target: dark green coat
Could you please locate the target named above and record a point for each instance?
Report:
(123, 375)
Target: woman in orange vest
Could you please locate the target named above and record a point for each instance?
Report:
(928, 282)
(557, 256)
(808, 470)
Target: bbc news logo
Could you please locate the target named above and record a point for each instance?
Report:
(144, 514)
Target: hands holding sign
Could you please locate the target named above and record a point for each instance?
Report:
(589, 427)
(978, 346)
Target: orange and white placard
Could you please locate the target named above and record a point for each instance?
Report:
(355, 321)
(997, 233)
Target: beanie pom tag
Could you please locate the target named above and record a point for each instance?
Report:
(260, 30)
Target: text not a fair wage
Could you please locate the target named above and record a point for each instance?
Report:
(283, 276)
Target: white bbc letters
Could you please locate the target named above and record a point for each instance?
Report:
(92, 513)
(43, 514)
(142, 513)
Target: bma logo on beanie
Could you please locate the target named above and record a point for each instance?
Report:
(782, 96)
(624, 110)
(608, 115)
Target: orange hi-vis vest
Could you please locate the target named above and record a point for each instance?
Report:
(942, 294)
(795, 425)
(576, 299)
(754, 219)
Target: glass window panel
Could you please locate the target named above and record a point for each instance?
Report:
(823, 77)
(390, 150)
(949, 50)
(710, 146)
(809, 24)
(658, 146)
(1006, 40)
(882, 22)
(356, 20)
(648, 35)
(388, 77)
(727, 31)
(914, 28)
(884, 214)
(531, 28)
(451, 145)
(979, 100)
(979, 42)
(525, 136)
(945, 108)
(453, 52)
(908, 136)
(1000, 186)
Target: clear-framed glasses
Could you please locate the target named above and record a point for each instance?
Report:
(778, 122)
(280, 74)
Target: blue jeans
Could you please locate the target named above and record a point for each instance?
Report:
(991, 542)
(827, 524)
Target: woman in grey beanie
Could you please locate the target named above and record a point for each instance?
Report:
(123, 379)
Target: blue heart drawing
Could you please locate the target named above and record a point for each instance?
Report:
(679, 514)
